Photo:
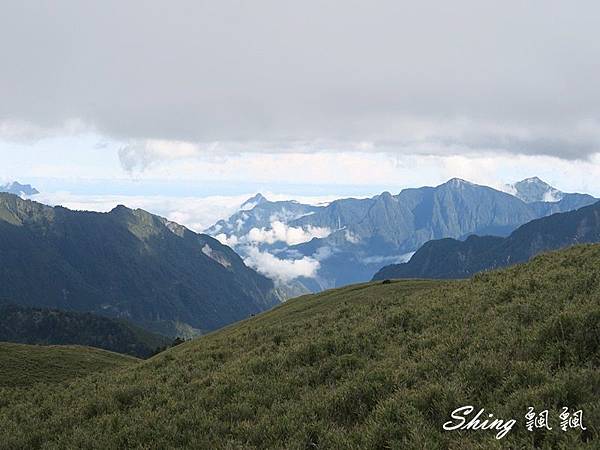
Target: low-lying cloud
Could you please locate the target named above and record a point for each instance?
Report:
(282, 270)
(281, 232)
(384, 260)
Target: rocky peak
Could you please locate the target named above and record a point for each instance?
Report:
(253, 202)
(534, 189)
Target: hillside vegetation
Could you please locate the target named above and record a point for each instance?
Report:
(371, 366)
(125, 264)
(24, 365)
(54, 327)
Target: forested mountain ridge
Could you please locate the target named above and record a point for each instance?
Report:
(126, 264)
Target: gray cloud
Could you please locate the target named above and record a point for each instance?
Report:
(408, 76)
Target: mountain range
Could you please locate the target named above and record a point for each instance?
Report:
(451, 258)
(349, 240)
(125, 264)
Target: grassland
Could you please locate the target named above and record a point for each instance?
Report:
(370, 366)
(24, 365)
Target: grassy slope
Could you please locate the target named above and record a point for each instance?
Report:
(24, 365)
(368, 366)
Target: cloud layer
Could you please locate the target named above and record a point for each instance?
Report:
(173, 79)
(281, 232)
(282, 270)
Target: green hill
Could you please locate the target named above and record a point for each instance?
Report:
(372, 366)
(24, 365)
(54, 327)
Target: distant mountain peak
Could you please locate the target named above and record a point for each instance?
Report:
(534, 180)
(119, 209)
(533, 189)
(457, 182)
(253, 202)
(22, 190)
(385, 198)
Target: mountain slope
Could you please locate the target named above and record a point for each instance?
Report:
(367, 366)
(450, 258)
(54, 327)
(127, 264)
(24, 365)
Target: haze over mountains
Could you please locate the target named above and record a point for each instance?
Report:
(126, 263)
(451, 258)
(348, 240)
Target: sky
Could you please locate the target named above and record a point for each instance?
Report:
(186, 108)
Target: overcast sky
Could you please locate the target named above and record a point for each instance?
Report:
(284, 96)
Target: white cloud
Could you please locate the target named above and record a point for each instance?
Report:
(231, 241)
(29, 132)
(283, 270)
(139, 155)
(577, 139)
(379, 170)
(323, 253)
(384, 260)
(281, 232)
(364, 173)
